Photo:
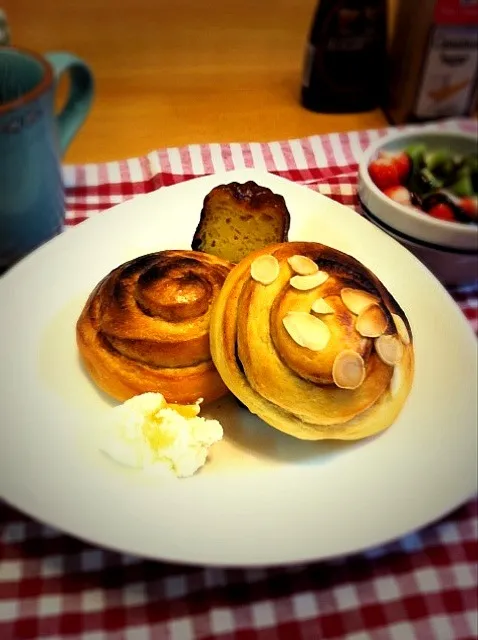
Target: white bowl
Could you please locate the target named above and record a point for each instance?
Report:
(449, 266)
(448, 249)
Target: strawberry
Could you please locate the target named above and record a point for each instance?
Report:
(442, 211)
(469, 206)
(398, 194)
(401, 161)
(383, 173)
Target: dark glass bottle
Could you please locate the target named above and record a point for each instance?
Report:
(346, 57)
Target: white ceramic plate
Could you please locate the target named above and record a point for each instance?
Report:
(263, 498)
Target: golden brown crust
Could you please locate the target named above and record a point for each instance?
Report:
(237, 219)
(292, 387)
(145, 327)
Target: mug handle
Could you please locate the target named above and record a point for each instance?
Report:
(80, 97)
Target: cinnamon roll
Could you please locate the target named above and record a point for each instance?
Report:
(312, 342)
(145, 327)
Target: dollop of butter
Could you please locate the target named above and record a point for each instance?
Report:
(146, 432)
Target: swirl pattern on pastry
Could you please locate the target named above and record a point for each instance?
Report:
(295, 353)
(145, 327)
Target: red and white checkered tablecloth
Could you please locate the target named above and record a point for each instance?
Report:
(423, 586)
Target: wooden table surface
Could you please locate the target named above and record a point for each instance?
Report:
(182, 71)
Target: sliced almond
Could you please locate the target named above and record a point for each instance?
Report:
(302, 265)
(401, 329)
(372, 322)
(357, 300)
(306, 330)
(389, 349)
(265, 269)
(348, 370)
(396, 380)
(304, 283)
(322, 307)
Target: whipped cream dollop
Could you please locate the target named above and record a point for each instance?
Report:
(146, 432)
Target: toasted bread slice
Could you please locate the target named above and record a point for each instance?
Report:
(236, 219)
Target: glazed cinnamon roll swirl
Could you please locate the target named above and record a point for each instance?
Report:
(312, 342)
(145, 327)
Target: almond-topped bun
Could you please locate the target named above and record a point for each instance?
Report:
(237, 219)
(145, 327)
(312, 342)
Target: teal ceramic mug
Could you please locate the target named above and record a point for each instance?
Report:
(32, 141)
